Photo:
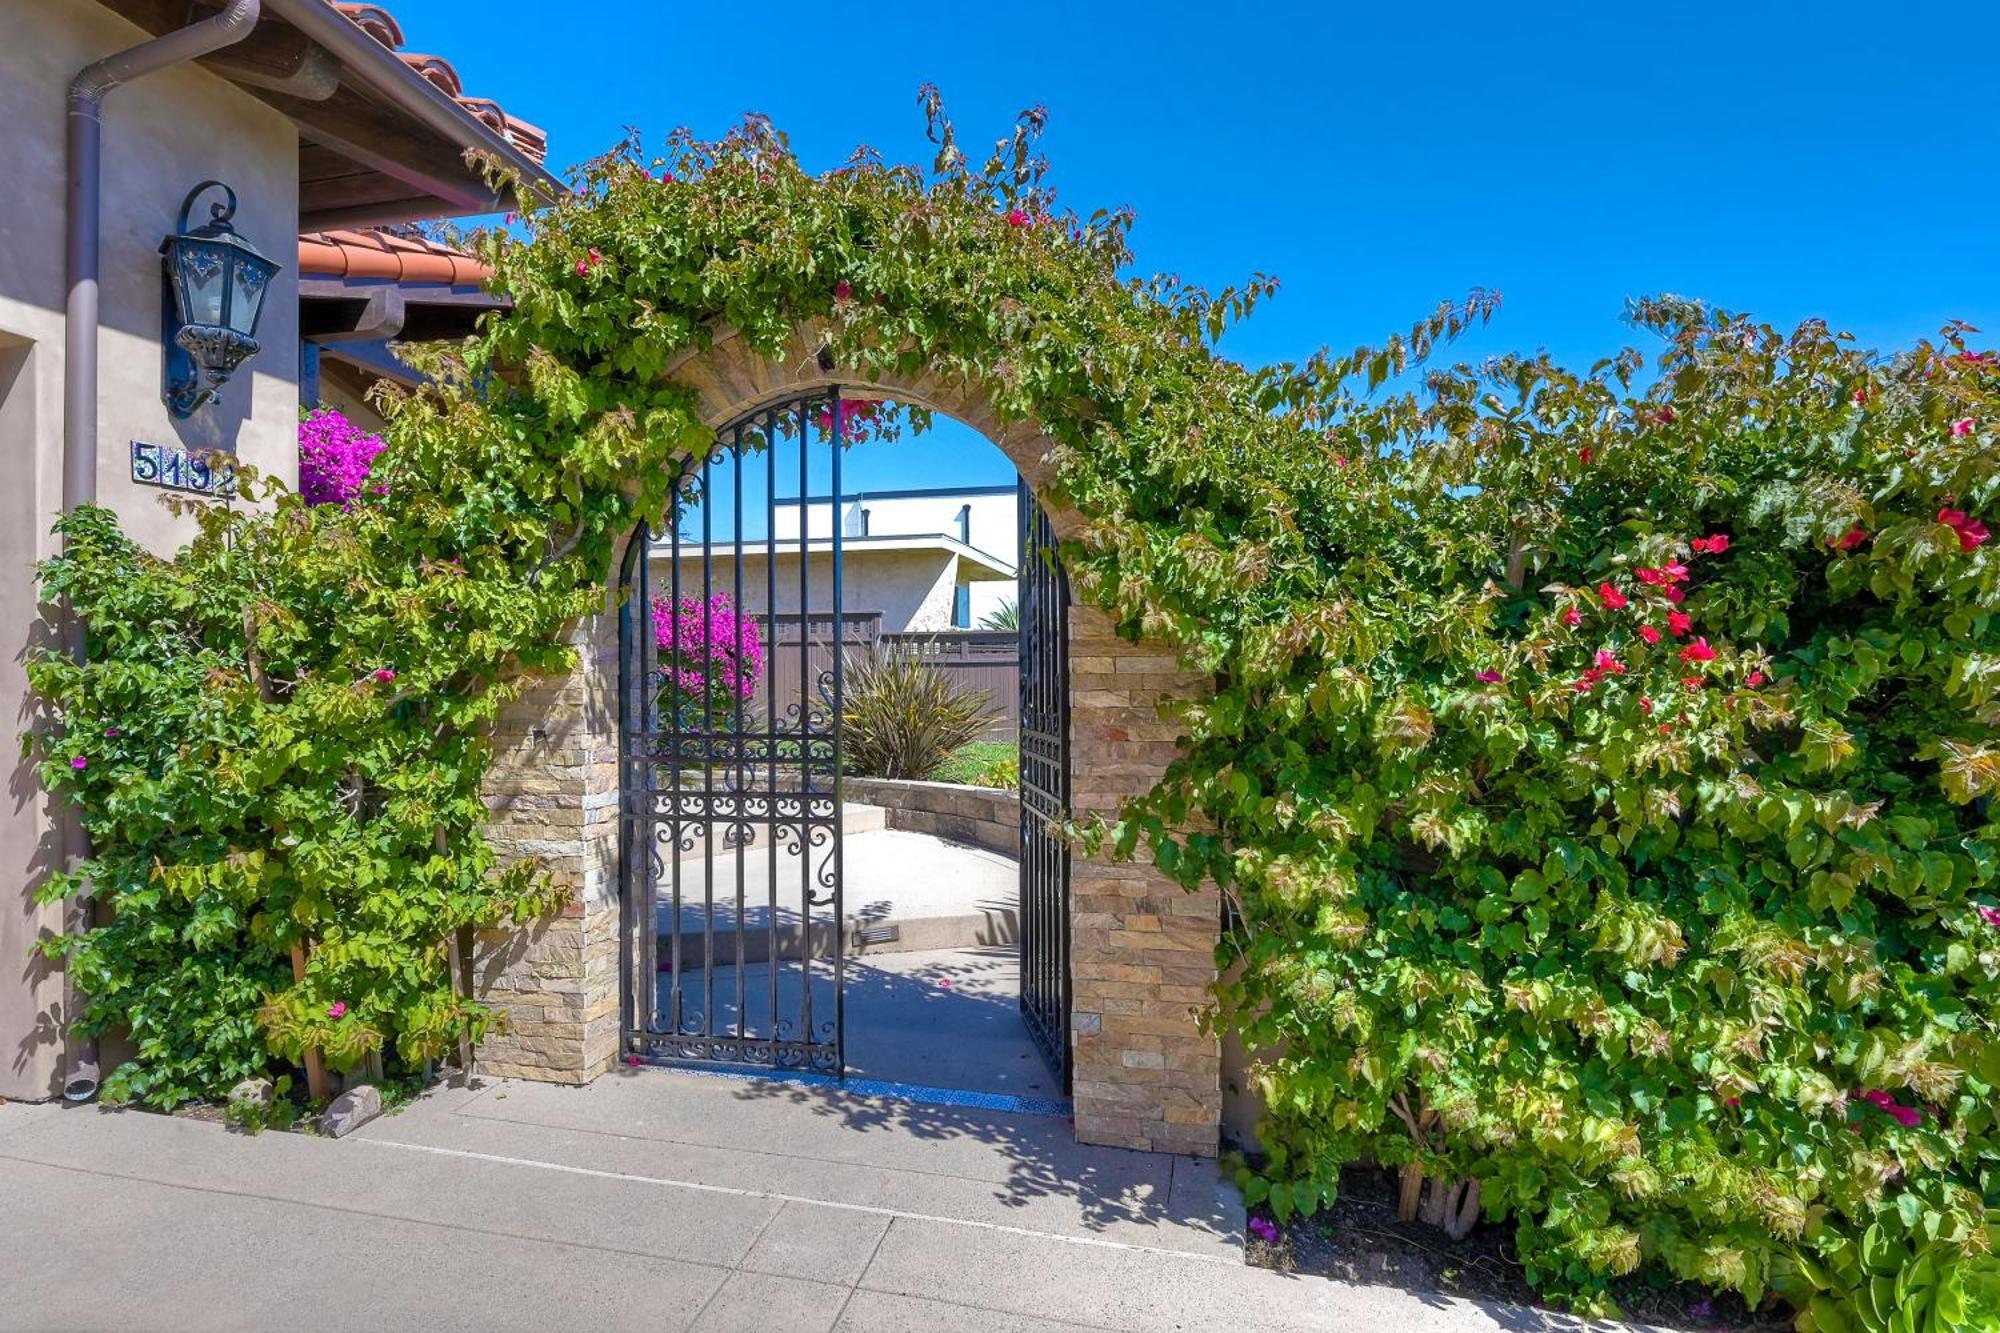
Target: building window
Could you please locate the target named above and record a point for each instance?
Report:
(961, 607)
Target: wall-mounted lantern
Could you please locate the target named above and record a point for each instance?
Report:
(216, 283)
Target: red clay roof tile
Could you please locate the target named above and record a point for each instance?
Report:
(380, 24)
(350, 253)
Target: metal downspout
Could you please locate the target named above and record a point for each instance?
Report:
(85, 134)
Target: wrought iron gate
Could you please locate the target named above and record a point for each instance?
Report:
(729, 767)
(1043, 600)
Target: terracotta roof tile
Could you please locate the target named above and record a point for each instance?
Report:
(380, 24)
(382, 255)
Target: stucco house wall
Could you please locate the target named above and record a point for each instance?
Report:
(162, 135)
(912, 590)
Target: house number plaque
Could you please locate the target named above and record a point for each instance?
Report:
(173, 466)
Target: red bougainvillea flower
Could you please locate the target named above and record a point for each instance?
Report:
(634, 1061)
(843, 290)
(1649, 634)
(1679, 622)
(1584, 455)
(588, 262)
(385, 675)
(1909, 1117)
(338, 1009)
(1850, 539)
(1861, 397)
(1992, 915)
(1490, 677)
(1608, 663)
(1962, 426)
(1754, 679)
(1018, 218)
(1693, 682)
(1649, 576)
(1698, 651)
(1713, 544)
(667, 177)
(1971, 532)
(1583, 685)
(1646, 706)
(1611, 597)
(1572, 617)
(1674, 595)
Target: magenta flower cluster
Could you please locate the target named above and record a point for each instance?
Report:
(709, 651)
(334, 457)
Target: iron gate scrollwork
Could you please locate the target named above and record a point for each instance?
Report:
(1043, 601)
(729, 766)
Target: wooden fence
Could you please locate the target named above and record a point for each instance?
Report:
(988, 661)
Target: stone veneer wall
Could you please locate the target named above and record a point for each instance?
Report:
(1142, 949)
(987, 817)
(553, 794)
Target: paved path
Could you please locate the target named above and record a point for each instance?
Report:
(651, 1200)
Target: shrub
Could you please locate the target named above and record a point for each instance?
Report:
(900, 718)
(334, 457)
(711, 655)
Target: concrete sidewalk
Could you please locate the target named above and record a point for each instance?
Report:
(651, 1200)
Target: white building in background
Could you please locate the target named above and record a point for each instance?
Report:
(925, 560)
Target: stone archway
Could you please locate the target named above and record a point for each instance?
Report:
(1142, 949)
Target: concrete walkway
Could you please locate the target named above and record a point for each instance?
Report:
(651, 1200)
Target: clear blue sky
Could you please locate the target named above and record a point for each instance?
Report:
(1834, 159)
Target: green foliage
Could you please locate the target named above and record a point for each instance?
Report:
(1007, 616)
(280, 1112)
(1620, 940)
(902, 719)
(982, 764)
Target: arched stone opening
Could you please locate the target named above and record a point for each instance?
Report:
(1141, 948)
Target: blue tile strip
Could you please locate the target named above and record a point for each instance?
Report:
(900, 1092)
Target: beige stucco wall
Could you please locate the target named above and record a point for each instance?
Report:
(161, 136)
(912, 589)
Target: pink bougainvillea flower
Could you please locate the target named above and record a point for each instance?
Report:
(1754, 679)
(1676, 572)
(335, 456)
(1850, 539)
(1861, 397)
(1611, 597)
(588, 262)
(1679, 622)
(843, 290)
(113, 732)
(1693, 682)
(1971, 534)
(712, 652)
(1490, 677)
(1962, 426)
(1992, 914)
(1674, 595)
(385, 675)
(1608, 663)
(1646, 706)
(1649, 634)
(338, 1009)
(1649, 576)
(1572, 617)
(1018, 218)
(1666, 416)
(1583, 685)
(1951, 518)
(1713, 544)
(634, 1061)
(1264, 1229)
(79, 763)
(1698, 651)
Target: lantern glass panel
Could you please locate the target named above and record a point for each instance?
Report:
(250, 280)
(204, 266)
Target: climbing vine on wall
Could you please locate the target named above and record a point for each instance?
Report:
(1598, 768)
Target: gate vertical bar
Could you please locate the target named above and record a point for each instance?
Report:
(805, 722)
(770, 726)
(836, 706)
(1043, 599)
(739, 790)
(676, 781)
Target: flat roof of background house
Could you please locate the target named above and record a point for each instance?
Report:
(918, 493)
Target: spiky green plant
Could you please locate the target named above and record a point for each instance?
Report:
(901, 719)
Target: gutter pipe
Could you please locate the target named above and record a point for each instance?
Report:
(86, 137)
